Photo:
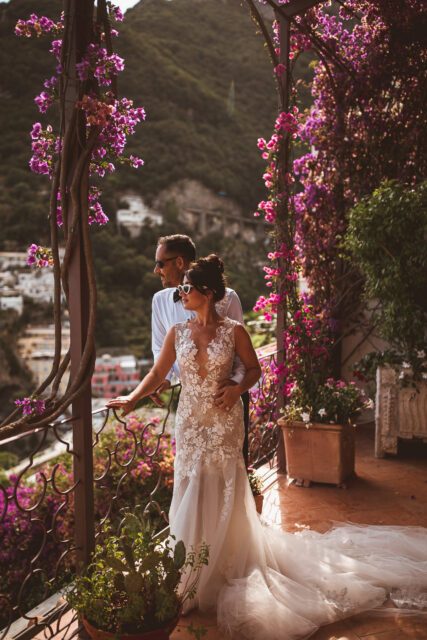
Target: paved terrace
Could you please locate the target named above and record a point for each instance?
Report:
(389, 491)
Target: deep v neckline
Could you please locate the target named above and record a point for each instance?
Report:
(208, 346)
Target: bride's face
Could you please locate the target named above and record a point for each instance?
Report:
(191, 297)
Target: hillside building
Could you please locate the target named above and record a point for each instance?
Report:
(114, 375)
(135, 215)
(37, 349)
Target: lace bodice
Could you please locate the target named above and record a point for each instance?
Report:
(220, 355)
(203, 431)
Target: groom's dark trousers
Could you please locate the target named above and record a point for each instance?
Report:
(245, 400)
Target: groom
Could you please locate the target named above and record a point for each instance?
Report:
(173, 257)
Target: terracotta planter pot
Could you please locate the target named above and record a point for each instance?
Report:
(157, 634)
(259, 502)
(319, 453)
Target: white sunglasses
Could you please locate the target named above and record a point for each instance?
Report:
(186, 288)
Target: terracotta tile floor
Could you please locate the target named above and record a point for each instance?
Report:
(388, 491)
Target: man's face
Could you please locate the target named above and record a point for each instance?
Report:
(169, 267)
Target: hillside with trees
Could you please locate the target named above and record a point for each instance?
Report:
(205, 80)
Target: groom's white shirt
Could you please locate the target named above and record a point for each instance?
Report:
(166, 313)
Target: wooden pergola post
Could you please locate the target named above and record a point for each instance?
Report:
(78, 24)
(284, 15)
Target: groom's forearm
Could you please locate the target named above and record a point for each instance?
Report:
(250, 378)
(239, 371)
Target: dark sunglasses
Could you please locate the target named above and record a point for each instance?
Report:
(161, 263)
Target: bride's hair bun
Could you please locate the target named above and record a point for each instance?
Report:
(215, 261)
(209, 273)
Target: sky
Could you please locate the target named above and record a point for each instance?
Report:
(123, 4)
(126, 4)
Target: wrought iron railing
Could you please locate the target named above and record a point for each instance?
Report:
(39, 518)
(264, 432)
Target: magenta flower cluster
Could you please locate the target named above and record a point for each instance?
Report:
(363, 126)
(100, 65)
(286, 123)
(269, 305)
(36, 26)
(115, 13)
(369, 106)
(31, 406)
(45, 146)
(38, 256)
(113, 119)
(304, 342)
(117, 120)
(96, 212)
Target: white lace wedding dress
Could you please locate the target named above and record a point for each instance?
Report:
(267, 584)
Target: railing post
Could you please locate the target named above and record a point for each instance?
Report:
(82, 409)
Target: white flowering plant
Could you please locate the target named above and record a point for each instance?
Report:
(411, 367)
(334, 401)
(255, 481)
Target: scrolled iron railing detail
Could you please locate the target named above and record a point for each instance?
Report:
(37, 508)
(263, 429)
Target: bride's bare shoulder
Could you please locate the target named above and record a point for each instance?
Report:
(239, 331)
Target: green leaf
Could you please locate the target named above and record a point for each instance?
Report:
(133, 582)
(119, 581)
(132, 524)
(179, 555)
(128, 551)
(116, 564)
(149, 563)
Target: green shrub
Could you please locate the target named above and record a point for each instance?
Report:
(387, 240)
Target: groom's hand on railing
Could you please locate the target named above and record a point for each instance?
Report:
(155, 397)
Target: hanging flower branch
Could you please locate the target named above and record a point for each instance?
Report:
(91, 142)
(306, 339)
(116, 119)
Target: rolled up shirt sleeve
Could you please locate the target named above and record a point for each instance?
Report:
(235, 312)
(158, 334)
(234, 309)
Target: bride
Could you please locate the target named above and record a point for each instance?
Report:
(265, 584)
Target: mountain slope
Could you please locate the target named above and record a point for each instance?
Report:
(184, 59)
(196, 66)
(205, 80)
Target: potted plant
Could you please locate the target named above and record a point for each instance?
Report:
(257, 485)
(318, 410)
(386, 240)
(401, 396)
(131, 590)
(319, 432)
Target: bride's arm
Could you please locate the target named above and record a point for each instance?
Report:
(229, 395)
(246, 352)
(152, 380)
